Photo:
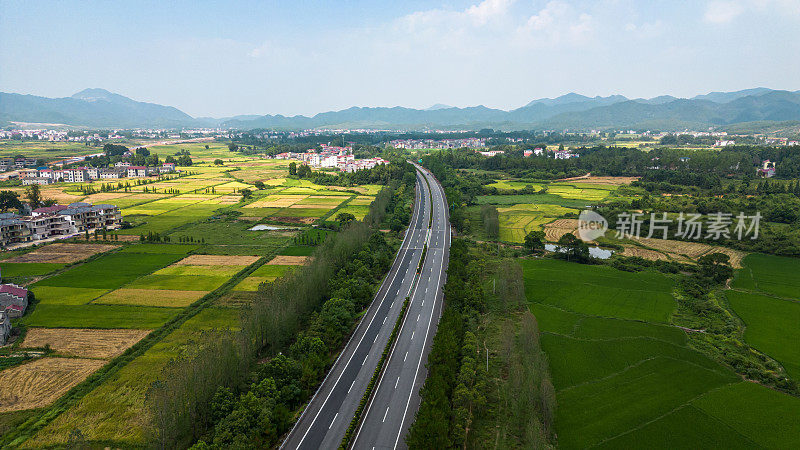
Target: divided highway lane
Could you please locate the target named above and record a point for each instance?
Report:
(396, 400)
(326, 418)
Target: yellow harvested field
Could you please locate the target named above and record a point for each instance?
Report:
(272, 201)
(62, 253)
(693, 250)
(554, 230)
(39, 383)
(87, 343)
(313, 206)
(284, 260)
(228, 199)
(298, 220)
(151, 297)
(216, 260)
(651, 255)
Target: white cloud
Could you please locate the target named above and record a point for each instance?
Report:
(557, 22)
(722, 12)
(487, 10)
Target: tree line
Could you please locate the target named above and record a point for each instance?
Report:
(461, 389)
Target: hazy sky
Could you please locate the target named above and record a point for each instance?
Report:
(303, 57)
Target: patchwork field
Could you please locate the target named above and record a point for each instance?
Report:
(114, 411)
(518, 220)
(198, 232)
(624, 378)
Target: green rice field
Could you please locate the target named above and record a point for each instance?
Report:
(625, 378)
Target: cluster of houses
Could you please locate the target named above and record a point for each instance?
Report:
(46, 175)
(57, 221)
(7, 164)
(55, 135)
(340, 158)
(557, 154)
(417, 144)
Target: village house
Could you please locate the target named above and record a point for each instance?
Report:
(57, 220)
(137, 171)
(767, 169)
(113, 173)
(27, 181)
(13, 300)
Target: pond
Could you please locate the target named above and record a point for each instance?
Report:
(594, 252)
(262, 227)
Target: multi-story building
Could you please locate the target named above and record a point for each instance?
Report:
(113, 173)
(13, 230)
(27, 181)
(92, 172)
(57, 220)
(137, 171)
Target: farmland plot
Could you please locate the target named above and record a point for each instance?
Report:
(773, 326)
(600, 291)
(115, 410)
(518, 220)
(41, 381)
(61, 253)
(86, 343)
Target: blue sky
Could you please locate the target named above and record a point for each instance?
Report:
(303, 57)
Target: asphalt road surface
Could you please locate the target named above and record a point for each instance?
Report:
(327, 416)
(396, 399)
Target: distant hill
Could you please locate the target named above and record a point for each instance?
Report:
(93, 108)
(725, 97)
(101, 108)
(682, 113)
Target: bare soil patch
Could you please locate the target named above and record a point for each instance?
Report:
(40, 382)
(298, 220)
(281, 202)
(87, 343)
(62, 253)
(283, 260)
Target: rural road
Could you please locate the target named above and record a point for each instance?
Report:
(326, 418)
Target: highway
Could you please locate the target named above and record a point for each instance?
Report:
(396, 399)
(326, 418)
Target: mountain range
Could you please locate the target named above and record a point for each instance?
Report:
(98, 108)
